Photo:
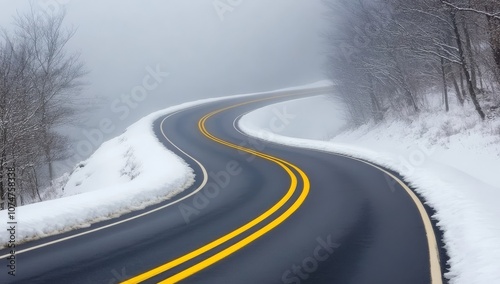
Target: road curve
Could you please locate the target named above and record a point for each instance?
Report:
(258, 213)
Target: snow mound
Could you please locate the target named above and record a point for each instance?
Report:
(126, 173)
(452, 160)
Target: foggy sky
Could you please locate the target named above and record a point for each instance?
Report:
(259, 45)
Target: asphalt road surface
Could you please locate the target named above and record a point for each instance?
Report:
(258, 213)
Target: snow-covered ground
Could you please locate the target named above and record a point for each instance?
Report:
(126, 173)
(452, 160)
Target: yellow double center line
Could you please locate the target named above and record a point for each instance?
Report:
(289, 169)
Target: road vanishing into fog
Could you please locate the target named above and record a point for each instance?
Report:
(258, 213)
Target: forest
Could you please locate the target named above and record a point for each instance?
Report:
(387, 56)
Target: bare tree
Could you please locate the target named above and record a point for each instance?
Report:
(39, 82)
(465, 66)
(387, 54)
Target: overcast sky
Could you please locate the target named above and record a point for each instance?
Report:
(255, 45)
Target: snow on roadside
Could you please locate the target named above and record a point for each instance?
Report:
(126, 173)
(452, 160)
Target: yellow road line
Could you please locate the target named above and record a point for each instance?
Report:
(436, 277)
(246, 241)
(244, 228)
(434, 258)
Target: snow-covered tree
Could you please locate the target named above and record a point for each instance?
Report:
(39, 82)
(386, 54)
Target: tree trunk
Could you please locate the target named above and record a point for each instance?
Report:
(494, 33)
(50, 162)
(375, 104)
(458, 92)
(51, 171)
(35, 186)
(469, 53)
(411, 99)
(481, 81)
(462, 86)
(445, 86)
(468, 79)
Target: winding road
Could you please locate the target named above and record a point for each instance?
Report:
(258, 213)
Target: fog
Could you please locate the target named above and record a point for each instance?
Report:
(245, 46)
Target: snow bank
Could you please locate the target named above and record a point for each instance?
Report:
(126, 173)
(452, 160)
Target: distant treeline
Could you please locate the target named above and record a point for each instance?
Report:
(387, 54)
